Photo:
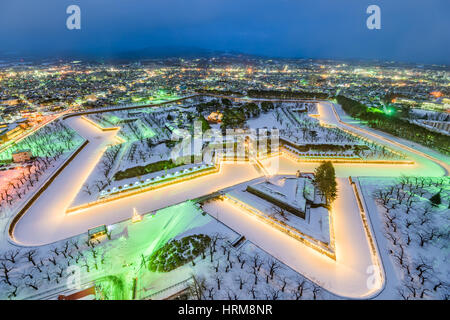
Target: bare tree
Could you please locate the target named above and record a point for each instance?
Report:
(411, 288)
(300, 288)
(316, 289)
(423, 269)
(283, 284)
(60, 271)
(393, 238)
(55, 251)
(423, 238)
(257, 263)
(197, 288)
(32, 284)
(211, 293)
(279, 212)
(273, 294)
(241, 280)
(12, 293)
(402, 293)
(253, 292)
(75, 244)
(11, 255)
(399, 255)
(30, 256)
(273, 266)
(6, 270)
(218, 279)
(47, 276)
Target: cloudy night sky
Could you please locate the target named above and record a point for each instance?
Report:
(413, 30)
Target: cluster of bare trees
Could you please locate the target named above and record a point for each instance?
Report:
(139, 147)
(238, 275)
(105, 167)
(414, 228)
(48, 144)
(49, 141)
(303, 129)
(136, 127)
(18, 187)
(24, 272)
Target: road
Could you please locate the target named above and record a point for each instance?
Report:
(425, 164)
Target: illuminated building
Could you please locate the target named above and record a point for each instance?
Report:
(21, 156)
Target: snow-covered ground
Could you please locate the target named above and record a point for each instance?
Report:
(245, 271)
(46, 220)
(50, 146)
(146, 136)
(302, 128)
(315, 224)
(347, 276)
(412, 234)
(427, 161)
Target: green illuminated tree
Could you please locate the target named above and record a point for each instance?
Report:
(325, 181)
(436, 199)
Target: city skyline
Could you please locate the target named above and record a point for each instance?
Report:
(320, 30)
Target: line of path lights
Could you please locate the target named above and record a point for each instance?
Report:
(320, 246)
(337, 159)
(155, 180)
(350, 132)
(367, 228)
(443, 164)
(159, 182)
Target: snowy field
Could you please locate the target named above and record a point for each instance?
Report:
(315, 224)
(43, 272)
(147, 138)
(246, 272)
(414, 230)
(50, 147)
(347, 276)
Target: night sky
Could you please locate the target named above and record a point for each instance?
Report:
(412, 30)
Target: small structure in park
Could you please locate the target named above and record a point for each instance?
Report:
(97, 232)
(136, 216)
(215, 117)
(21, 156)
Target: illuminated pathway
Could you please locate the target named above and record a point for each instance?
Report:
(46, 220)
(425, 164)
